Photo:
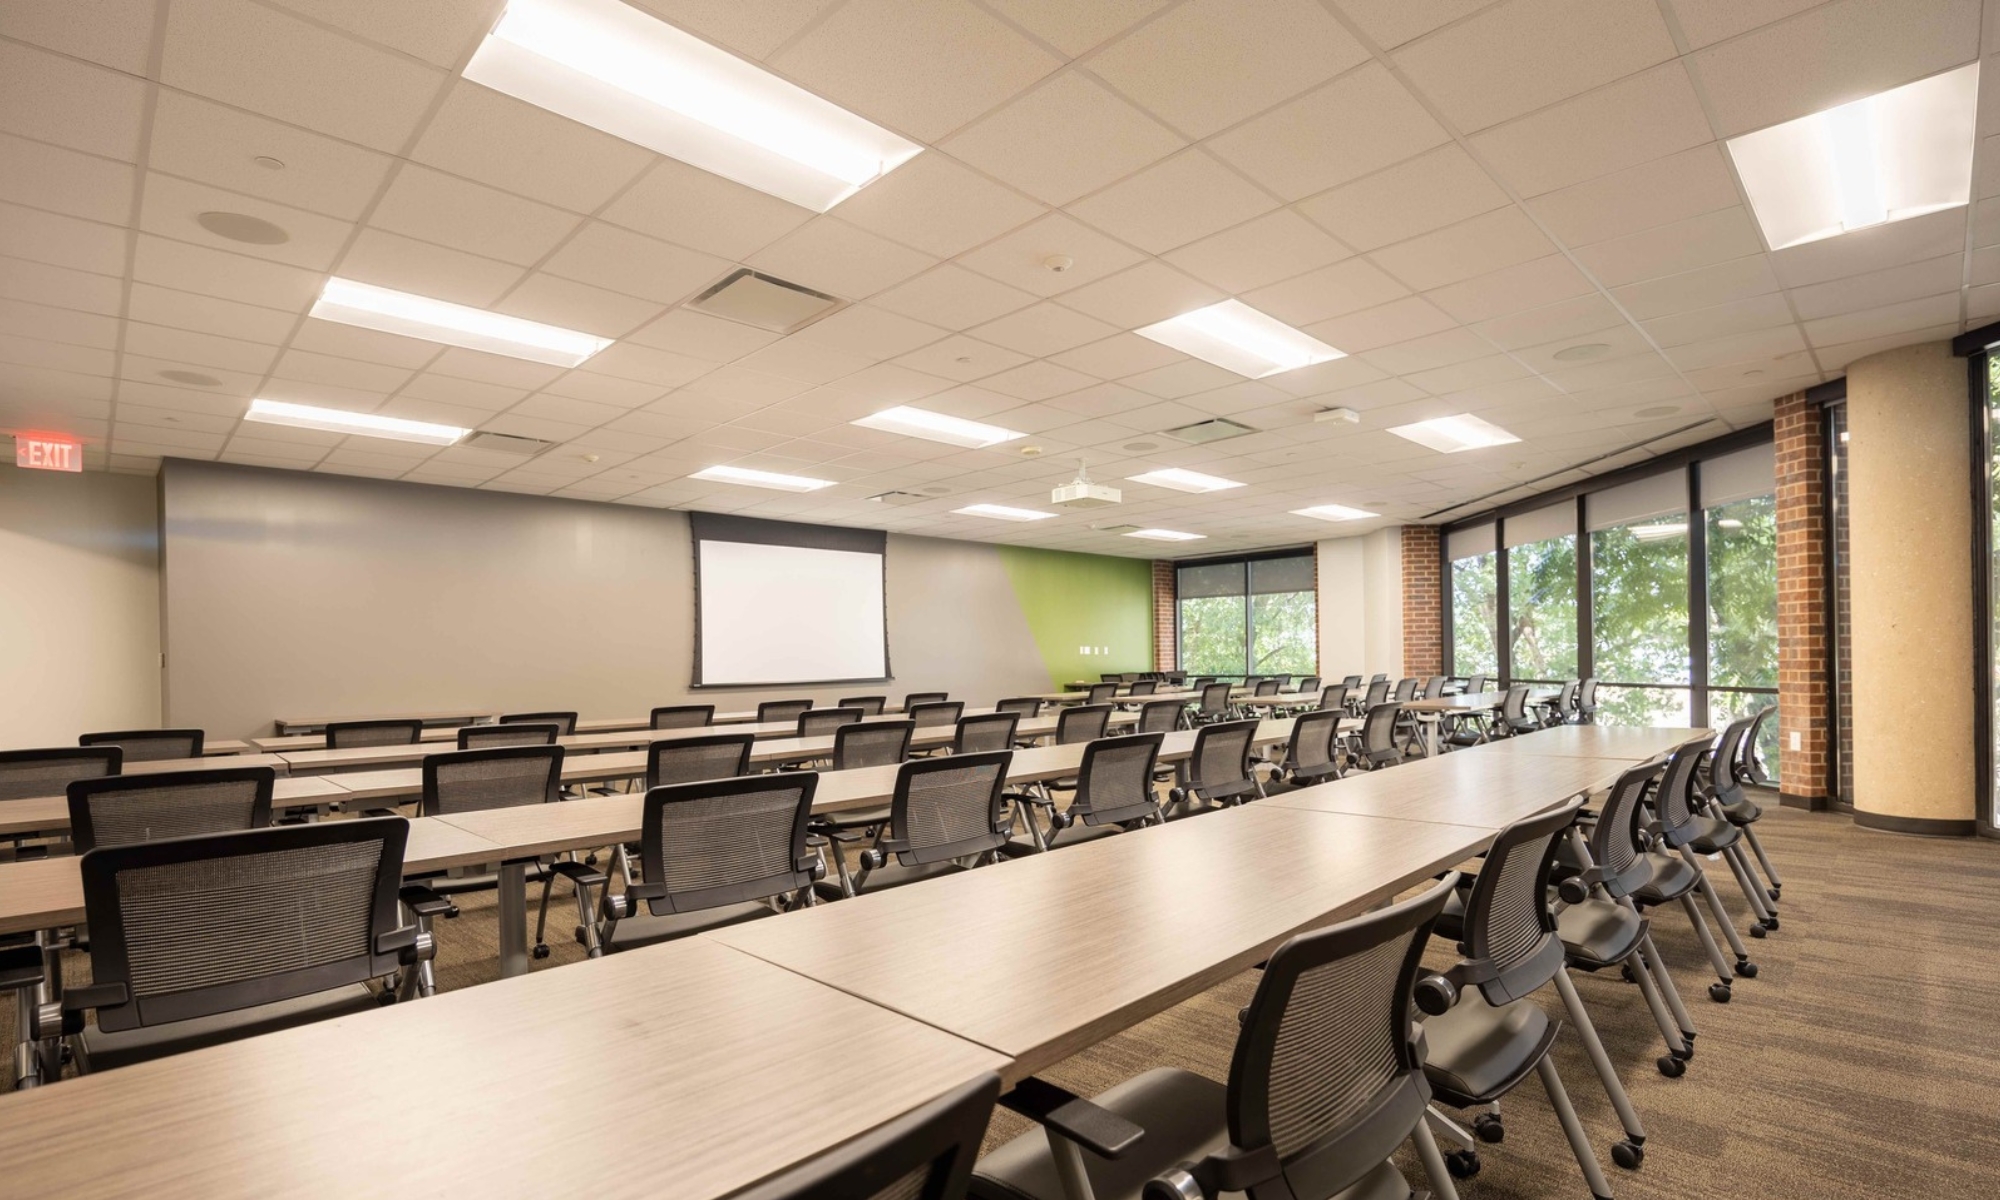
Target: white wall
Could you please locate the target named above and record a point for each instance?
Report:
(79, 605)
(1361, 604)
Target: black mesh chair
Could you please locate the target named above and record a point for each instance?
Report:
(350, 735)
(1312, 756)
(947, 815)
(1485, 1032)
(1217, 773)
(1326, 1083)
(1676, 875)
(118, 810)
(1475, 684)
(1215, 704)
(869, 705)
(1684, 829)
(1266, 687)
(1309, 684)
(1334, 698)
(1160, 716)
(1434, 687)
(714, 854)
(30, 773)
(1024, 707)
(1114, 791)
(1350, 681)
(1754, 772)
(872, 744)
(983, 733)
(781, 711)
(915, 698)
(935, 714)
(821, 722)
(207, 939)
(1559, 708)
(565, 722)
(1082, 723)
(683, 716)
(1200, 682)
(926, 1154)
(1586, 702)
(1377, 746)
(1733, 766)
(1102, 693)
(149, 745)
(524, 733)
(695, 759)
(1377, 694)
(1514, 716)
(1406, 690)
(1144, 687)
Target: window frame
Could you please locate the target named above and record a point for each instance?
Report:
(1248, 596)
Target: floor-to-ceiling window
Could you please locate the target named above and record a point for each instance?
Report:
(1740, 532)
(1639, 601)
(1255, 616)
(1541, 594)
(1475, 601)
(1989, 512)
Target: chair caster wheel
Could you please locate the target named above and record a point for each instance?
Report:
(1628, 1155)
(1719, 992)
(1772, 924)
(1772, 893)
(1489, 1128)
(1757, 931)
(1671, 1067)
(590, 859)
(1747, 970)
(385, 999)
(1625, 973)
(1462, 1164)
(541, 950)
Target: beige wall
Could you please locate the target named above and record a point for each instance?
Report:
(79, 605)
(1910, 535)
(1361, 605)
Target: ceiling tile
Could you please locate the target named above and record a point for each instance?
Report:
(1706, 22)
(1067, 137)
(1021, 258)
(1674, 188)
(113, 33)
(1272, 247)
(1210, 63)
(962, 358)
(388, 260)
(1390, 23)
(1570, 318)
(1043, 330)
(437, 33)
(1485, 243)
(218, 273)
(870, 331)
(793, 358)
(46, 237)
(1331, 291)
(1449, 348)
(1873, 249)
(216, 145)
(435, 207)
(1118, 356)
(607, 256)
(643, 364)
(1149, 292)
(699, 335)
(1878, 322)
(54, 99)
(754, 29)
(1174, 202)
(1425, 193)
(1876, 289)
(1673, 249)
(1705, 324)
(1755, 346)
(23, 319)
(44, 283)
(832, 256)
(1074, 28)
(1182, 379)
(1528, 285)
(1359, 123)
(953, 297)
(1037, 381)
(367, 345)
(938, 206)
(172, 207)
(571, 305)
(1737, 279)
(64, 181)
(516, 147)
(1637, 119)
(1383, 325)
(693, 208)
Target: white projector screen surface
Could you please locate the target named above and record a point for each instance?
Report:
(788, 614)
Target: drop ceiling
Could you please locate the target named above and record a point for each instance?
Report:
(1454, 193)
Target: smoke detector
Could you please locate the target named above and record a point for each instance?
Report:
(1082, 493)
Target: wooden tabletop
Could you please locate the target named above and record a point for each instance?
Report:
(688, 1062)
(1470, 701)
(449, 733)
(204, 763)
(1630, 742)
(51, 813)
(448, 716)
(211, 747)
(1467, 787)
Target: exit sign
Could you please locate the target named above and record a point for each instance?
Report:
(47, 454)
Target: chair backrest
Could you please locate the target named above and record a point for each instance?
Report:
(1406, 689)
(1509, 928)
(1020, 706)
(1378, 677)
(1329, 1069)
(1102, 693)
(1311, 754)
(1144, 687)
(985, 732)
(149, 745)
(869, 705)
(1350, 681)
(1378, 693)
(1586, 696)
(26, 773)
(497, 777)
(1215, 698)
(1082, 723)
(781, 710)
(115, 810)
(871, 743)
(1753, 767)
(1219, 767)
(1266, 687)
(1378, 731)
(1309, 684)
(1200, 682)
(1566, 699)
(725, 841)
(821, 722)
(949, 807)
(1725, 770)
(1476, 684)
(915, 698)
(524, 733)
(1614, 843)
(349, 735)
(1333, 698)
(1115, 781)
(684, 716)
(1160, 716)
(934, 714)
(565, 722)
(212, 923)
(1515, 706)
(1433, 687)
(698, 759)
(926, 1154)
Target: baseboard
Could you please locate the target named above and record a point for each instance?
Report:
(1806, 803)
(1917, 826)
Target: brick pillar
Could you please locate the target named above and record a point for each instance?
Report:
(1423, 614)
(1164, 640)
(1802, 646)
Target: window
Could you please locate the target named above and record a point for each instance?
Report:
(1475, 601)
(1639, 601)
(1249, 617)
(1988, 518)
(1740, 529)
(1541, 594)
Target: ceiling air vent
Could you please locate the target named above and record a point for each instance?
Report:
(748, 298)
(1203, 432)
(507, 443)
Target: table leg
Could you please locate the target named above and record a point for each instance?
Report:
(513, 919)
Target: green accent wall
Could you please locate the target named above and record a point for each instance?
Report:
(1073, 600)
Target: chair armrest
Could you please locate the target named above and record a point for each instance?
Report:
(1097, 1129)
(579, 874)
(1030, 798)
(424, 902)
(21, 967)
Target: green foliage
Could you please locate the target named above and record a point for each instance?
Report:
(1280, 636)
(1475, 615)
(1743, 594)
(1213, 629)
(1541, 604)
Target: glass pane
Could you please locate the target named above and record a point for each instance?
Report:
(1210, 579)
(1724, 707)
(1541, 608)
(1639, 602)
(1282, 574)
(1843, 649)
(1475, 614)
(1993, 578)
(1644, 706)
(1284, 629)
(1212, 635)
(1743, 594)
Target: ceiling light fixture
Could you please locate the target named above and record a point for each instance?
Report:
(1451, 435)
(762, 479)
(335, 420)
(1184, 481)
(1333, 512)
(614, 68)
(371, 307)
(937, 427)
(1888, 157)
(1001, 512)
(1166, 535)
(1238, 338)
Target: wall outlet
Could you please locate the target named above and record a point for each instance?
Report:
(1796, 740)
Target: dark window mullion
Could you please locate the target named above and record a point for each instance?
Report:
(1697, 568)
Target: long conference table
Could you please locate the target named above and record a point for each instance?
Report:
(702, 1049)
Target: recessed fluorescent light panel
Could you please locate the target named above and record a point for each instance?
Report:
(1333, 512)
(1166, 535)
(1889, 157)
(936, 427)
(1185, 481)
(1238, 338)
(1001, 512)
(762, 479)
(1450, 435)
(614, 68)
(334, 420)
(371, 307)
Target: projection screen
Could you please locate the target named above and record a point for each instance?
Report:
(781, 603)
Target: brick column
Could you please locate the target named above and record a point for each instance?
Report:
(1423, 614)
(1802, 635)
(1164, 639)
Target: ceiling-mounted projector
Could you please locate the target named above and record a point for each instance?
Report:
(1081, 493)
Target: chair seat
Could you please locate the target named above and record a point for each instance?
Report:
(1181, 1112)
(1451, 922)
(1599, 933)
(645, 929)
(1477, 1053)
(1743, 812)
(476, 880)
(101, 1051)
(1711, 835)
(892, 874)
(852, 818)
(1672, 879)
